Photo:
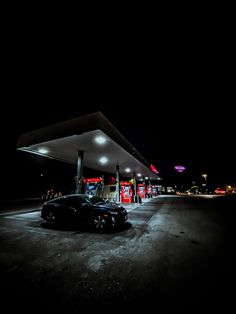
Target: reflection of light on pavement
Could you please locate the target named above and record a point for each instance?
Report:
(208, 196)
(132, 206)
(25, 216)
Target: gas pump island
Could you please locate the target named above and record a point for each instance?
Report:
(95, 186)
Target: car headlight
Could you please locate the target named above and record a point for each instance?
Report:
(114, 213)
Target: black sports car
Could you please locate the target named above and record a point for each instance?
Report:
(84, 210)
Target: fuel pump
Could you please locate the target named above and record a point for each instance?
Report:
(93, 186)
(149, 191)
(141, 190)
(126, 192)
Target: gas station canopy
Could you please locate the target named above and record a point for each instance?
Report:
(103, 145)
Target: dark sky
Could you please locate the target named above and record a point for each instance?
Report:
(174, 103)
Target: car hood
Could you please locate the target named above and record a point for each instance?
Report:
(111, 207)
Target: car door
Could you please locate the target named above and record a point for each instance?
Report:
(82, 210)
(86, 213)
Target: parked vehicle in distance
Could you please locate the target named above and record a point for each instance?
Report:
(220, 190)
(84, 210)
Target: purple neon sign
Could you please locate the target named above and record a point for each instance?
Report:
(180, 168)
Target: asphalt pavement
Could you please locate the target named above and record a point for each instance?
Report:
(176, 255)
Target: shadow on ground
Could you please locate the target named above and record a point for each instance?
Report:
(79, 229)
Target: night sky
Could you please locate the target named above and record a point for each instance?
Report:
(174, 108)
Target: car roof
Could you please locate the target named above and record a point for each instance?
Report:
(84, 196)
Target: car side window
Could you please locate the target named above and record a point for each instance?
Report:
(61, 201)
(71, 201)
(76, 202)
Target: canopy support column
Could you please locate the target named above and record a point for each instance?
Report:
(117, 184)
(135, 189)
(79, 177)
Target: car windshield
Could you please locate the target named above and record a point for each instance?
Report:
(97, 200)
(85, 197)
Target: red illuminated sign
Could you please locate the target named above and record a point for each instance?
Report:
(124, 183)
(92, 180)
(154, 169)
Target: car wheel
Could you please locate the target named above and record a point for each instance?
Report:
(99, 223)
(51, 218)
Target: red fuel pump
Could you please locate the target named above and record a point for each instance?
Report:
(141, 190)
(154, 191)
(126, 192)
(149, 191)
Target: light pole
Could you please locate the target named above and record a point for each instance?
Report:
(204, 175)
